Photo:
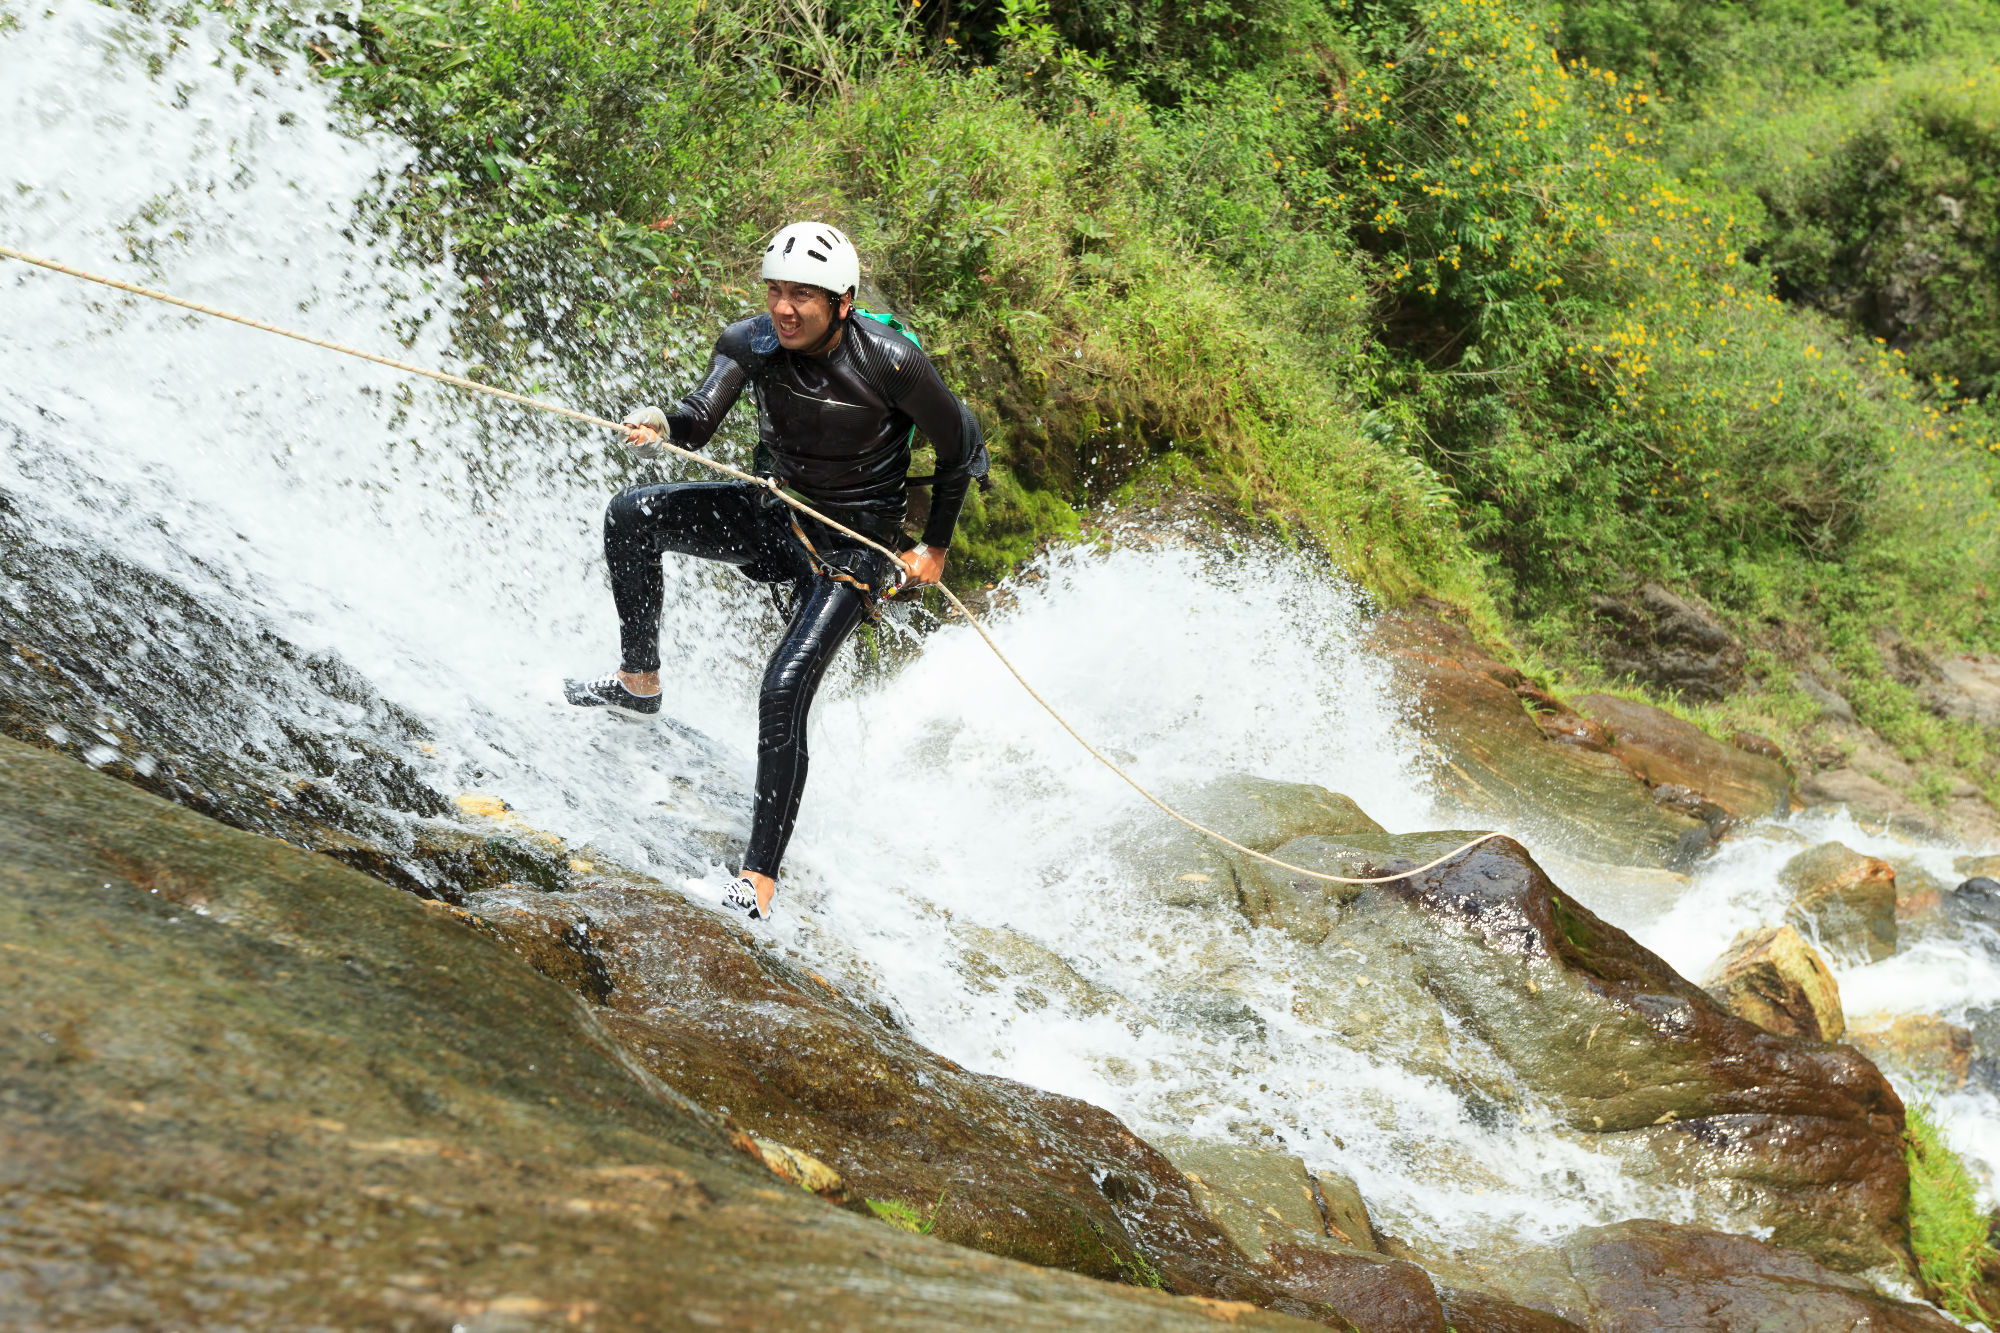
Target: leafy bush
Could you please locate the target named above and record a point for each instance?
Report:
(1687, 48)
(1882, 202)
(1590, 355)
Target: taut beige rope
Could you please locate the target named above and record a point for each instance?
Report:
(461, 382)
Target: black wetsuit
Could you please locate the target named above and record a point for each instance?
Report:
(835, 429)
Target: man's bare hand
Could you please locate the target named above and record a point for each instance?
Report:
(923, 565)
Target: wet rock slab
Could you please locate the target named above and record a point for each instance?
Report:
(995, 1165)
(1653, 1277)
(199, 699)
(242, 1086)
(1276, 1215)
(1665, 752)
(1921, 1047)
(1482, 974)
(1496, 758)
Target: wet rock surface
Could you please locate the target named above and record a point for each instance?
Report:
(1653, 1277)
(1314, 1234)
(1921, 1047)
(246, 1087)
(1773, 978)
(1551, 768)
(1261, 1198)
(1483, 1312)
(784, 1054)
(1667, 753)
(984, 1162)
(197, 699)
(1844, 901)
(1268, 1205)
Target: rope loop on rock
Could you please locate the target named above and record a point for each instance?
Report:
(767, 483)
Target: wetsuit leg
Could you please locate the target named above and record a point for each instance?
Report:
(725, 521)
(827, 613)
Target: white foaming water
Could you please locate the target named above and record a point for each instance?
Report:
(949, 820)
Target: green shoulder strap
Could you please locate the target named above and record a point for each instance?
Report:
(884, 317)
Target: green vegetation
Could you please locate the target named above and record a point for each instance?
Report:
(1949, 1231)
(1881, 202)
(1696, 50)
(1497, 303)
(904, 1217)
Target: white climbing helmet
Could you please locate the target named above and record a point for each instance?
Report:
(816, 253)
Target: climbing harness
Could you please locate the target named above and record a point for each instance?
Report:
(766, 483)
(871, 596)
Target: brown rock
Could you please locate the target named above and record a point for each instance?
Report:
(1874, 803)
(1567, 727)
(1967, 687)
(557, 945)
(801, 1169)
(1654, 1277)
(1665, 751)
(1919, 895)
(994, 1165)
(1493, 757)
(1268, 1205)
(319, 1103)
(1343, 1210)
(1919, 1046)
(1663, 640)
(1844, 900)
(987, 1163)
(1773, 978)
(1259, 1197)
(1467, 1311)
(1763, 746)
(1367, 1291)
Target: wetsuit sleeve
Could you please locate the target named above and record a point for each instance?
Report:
(696, 417)
(914, 386)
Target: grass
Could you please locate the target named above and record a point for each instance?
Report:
(1949, 1231)
(905, 1217)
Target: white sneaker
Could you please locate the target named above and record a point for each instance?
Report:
(609, 693)
(741, 896)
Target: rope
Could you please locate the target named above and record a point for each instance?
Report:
(768, 484)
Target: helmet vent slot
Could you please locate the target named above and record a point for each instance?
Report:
(817, 255)
(790, 241)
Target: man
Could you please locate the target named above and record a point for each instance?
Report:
(836, 399)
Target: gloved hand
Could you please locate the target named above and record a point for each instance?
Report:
(644, 428)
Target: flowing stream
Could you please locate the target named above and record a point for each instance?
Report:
(451, 559)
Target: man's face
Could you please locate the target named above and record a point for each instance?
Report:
(801, 312)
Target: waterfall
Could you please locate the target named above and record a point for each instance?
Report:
(448, 560)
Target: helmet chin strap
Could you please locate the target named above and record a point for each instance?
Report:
(833, 326)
